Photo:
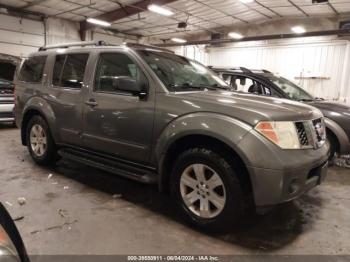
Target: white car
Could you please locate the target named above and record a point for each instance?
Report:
(6, 101)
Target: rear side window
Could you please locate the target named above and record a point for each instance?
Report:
(32, 69)
(69, 70)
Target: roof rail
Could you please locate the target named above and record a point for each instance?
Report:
(149, 46)
(245, 70)
(67, 45)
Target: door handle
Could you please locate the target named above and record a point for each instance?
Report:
(91, 102)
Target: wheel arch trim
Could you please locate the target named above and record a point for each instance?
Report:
(340, 134)
(44, 109)
(227, 130)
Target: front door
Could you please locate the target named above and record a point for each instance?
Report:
(118, 122)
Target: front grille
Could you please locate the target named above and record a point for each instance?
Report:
(312, 134)
(302, 134)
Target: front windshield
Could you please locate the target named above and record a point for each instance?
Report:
(292, 90)
(181, 74)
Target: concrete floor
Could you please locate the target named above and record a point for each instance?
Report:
(73, 211)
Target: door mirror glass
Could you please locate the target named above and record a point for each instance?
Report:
(242, 81)
(127, 84)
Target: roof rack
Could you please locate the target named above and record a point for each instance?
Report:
(67, 45)
(245, 70)
(101, 43)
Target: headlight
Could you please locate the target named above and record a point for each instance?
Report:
(283, 134)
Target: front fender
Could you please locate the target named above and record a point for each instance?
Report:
(44, 108)
(224, 128)
(339, 132)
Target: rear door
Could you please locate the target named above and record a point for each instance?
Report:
(30, 81)
(66, 95)
(118, 122)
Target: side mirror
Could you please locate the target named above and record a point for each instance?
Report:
(242, 81)
(129, 85)
(11, 244)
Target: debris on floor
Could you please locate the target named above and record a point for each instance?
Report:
(35, 232)
(18, 218)
(8, 203)
(63, 213)
(49, 176)
(115, 196)
(21, 201)
(65, 187)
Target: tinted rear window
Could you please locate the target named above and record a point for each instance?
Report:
(32, 69)
(69, 70)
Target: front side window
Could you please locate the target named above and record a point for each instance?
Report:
(246, 85)
(69, 70)
(181, 74)
(32, 69)
(112, 66)
(290, 89)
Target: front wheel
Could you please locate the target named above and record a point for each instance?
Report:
(39, 141)
(333, 144)
(206, 189)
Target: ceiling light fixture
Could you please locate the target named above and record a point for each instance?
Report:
(160, 10)
(247, 1)
(235, 35)
(298, 29)
(178, 40)
(98, 22)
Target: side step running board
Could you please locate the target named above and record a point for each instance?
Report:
(121, 169)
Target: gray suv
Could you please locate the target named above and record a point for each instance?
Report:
(149, 115)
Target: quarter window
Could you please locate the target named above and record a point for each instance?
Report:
(69, 70)
(112, 66)
(32, 69)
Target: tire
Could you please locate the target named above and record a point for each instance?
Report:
(333, 143)
(40, 143)
(188, 165)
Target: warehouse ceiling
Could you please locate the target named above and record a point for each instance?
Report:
(201, 16)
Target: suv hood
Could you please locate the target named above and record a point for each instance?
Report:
(248, 107)
(330, 106)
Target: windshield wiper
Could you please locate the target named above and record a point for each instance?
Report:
(306, 100)
(189, 86)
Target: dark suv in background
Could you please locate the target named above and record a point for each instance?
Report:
(149, 115)
(265, 83)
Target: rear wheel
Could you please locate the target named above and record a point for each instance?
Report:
(206, 189)
(39, 141)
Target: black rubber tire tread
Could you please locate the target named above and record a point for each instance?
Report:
(235, 199)
(50, 155)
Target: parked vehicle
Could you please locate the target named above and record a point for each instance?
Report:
(263, 82)
(147, 114)
(11, 244)
(6, 101)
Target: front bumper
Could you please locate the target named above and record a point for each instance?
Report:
(272, 187)
(6, 113)
(279, 175)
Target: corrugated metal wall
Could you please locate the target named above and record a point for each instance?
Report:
(19, 37)
(324, 57)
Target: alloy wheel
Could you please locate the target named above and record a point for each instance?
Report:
(202, 191)
(38, 140)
